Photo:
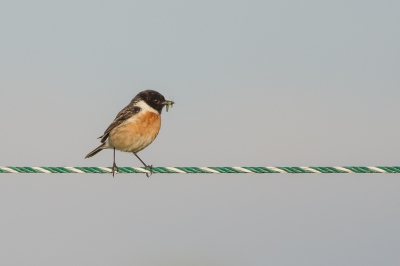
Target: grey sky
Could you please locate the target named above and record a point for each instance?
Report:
(287, 83)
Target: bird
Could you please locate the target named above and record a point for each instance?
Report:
(135, 127)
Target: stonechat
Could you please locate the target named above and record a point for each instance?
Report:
(135, 127)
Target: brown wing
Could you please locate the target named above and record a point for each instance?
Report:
(122, 116)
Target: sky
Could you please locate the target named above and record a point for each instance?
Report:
(256, 83)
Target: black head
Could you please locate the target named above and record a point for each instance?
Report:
(153, 98)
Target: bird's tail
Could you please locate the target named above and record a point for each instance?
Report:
(95, 151)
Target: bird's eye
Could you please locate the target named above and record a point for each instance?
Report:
(155, 100)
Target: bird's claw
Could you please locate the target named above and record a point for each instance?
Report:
(150, 169)
(115, 167)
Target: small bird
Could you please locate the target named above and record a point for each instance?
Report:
(135, 127)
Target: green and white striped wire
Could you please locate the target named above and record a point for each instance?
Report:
(205, 170)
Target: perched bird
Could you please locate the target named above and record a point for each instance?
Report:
(135, 127)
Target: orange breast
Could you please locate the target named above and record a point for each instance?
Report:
(136, 133)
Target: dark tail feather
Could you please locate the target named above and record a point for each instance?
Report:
(95, 151)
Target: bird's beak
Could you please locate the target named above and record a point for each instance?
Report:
(168, 104)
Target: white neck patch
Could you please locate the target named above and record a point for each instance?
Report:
(145, 107)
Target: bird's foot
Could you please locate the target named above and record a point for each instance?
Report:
(115, 167)
(150, 169)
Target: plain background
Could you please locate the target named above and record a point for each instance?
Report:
(256, 83)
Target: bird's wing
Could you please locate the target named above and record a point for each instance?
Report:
(122, 116)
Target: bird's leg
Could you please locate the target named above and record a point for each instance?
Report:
(146, 166)
(114, 167)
